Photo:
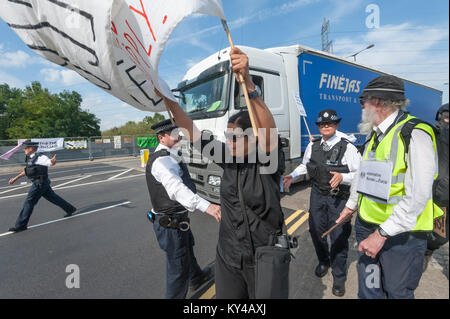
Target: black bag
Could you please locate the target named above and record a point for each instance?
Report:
(271, 264)
(439, 236)
(272, 272)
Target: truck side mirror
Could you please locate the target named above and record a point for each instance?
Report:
(284, 142)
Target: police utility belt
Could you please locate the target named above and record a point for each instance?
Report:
(177, 220)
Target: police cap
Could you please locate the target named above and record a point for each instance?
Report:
(163, 126)
(29, 143)
(328, 116)
(385, 87)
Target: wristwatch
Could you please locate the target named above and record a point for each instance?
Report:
(383, 233)
(253, 95)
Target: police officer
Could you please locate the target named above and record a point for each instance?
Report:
(173, 194)
(392, 234)
(37, 170)
(331, 162)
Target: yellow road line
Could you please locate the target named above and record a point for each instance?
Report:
(292, 217)
(209, 293)
(294, 227)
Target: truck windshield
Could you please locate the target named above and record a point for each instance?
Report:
(205, 98)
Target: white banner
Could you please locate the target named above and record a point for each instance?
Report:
(115, 44)
(49, 144)
(75, 144)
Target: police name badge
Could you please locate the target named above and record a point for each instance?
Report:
(375, 178)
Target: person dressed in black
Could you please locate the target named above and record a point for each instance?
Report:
(440, 185)
(241, 158)
(37, 170)
(331, 162)
(173, 194)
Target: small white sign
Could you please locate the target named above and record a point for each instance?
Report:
(117, 142)
(375, 179)
(299, 103)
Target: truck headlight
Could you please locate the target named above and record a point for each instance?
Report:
(214, 180)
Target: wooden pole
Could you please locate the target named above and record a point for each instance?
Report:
(170, 115)
(309, 132)
(334, 227)
(330, 230)
(241, 81)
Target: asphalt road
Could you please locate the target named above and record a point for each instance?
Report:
(113, 245)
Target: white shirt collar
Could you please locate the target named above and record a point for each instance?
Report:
(331, 141)
(164, 147)
(386, 123)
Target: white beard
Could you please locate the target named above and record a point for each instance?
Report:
(368, 119)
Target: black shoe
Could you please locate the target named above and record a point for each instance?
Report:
(206, 276)
(321, 270)
(17, 229)
(338, 288)
(68, 214)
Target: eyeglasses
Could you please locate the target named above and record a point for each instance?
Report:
(362, 100)
(232, 136)
(326, 124)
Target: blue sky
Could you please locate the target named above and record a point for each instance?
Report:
(411, 41)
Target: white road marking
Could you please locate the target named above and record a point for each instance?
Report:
(124, 172)
(57, 179)
(11, 190)
(75, 180)
(78, 185)
(71, 217)
(6, 234)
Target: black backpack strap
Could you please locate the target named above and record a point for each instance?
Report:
(407, 129)
(244, 211)
(362, 147)
(36, 156)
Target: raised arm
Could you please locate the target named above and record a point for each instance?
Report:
(264, 122)
(182, 119)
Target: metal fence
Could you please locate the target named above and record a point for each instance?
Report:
(96, 147)
(82, 148)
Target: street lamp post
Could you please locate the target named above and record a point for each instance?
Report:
(354, 55)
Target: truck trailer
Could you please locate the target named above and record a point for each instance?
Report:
(291, 80)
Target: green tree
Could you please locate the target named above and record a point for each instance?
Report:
(9, 97)
(37, 113)
(133, 128)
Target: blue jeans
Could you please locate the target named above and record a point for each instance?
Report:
(396, 271)
(38, 190)
(181, 266)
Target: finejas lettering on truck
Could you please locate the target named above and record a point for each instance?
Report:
(340, 83)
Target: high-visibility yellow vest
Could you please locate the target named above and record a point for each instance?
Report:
(392, 148)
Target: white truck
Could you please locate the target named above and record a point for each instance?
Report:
(288, 79)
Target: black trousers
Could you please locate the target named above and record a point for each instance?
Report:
(323, 213)
(181, 265)
(234, 283)
(37, 190)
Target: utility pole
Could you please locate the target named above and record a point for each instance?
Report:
(327, 45)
